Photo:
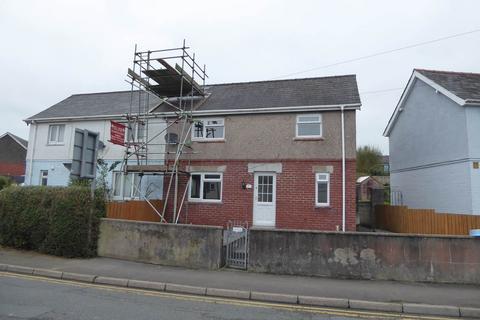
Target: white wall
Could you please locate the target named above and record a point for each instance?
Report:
(52, 157)
(44, 151)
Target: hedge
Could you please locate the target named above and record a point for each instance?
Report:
(62, 221)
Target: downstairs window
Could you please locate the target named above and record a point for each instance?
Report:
(206, 187)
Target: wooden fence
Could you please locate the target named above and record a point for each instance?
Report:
(134, 210)
(401, 219)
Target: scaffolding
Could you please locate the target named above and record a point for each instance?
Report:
(167, 76)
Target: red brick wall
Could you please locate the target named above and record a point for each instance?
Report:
(295, 206)
(12, 169)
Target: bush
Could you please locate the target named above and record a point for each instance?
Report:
(4, 182)
(62, 221)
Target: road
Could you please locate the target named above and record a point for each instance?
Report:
(29, 297)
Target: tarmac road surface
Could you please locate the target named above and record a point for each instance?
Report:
(31, 297)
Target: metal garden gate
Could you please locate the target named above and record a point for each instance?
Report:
(236, 245)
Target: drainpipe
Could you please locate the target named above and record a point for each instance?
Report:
(33, 152)
(343, 168)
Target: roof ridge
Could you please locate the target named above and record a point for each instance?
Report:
(280, 80)
(449, 72)
(101, 92)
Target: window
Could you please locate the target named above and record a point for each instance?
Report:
(43, 177)
(136, 132)
(309, 126)
(205, 187)
(208, 129)
(126, 186)
(56, 133)
(322, 189)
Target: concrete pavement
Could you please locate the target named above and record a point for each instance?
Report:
(334, 292)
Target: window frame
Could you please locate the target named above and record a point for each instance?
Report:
(204, 131)
(202, 180)
(122, 186)
(320, 122)
(44, 176)
(56, 142)
(317, 180)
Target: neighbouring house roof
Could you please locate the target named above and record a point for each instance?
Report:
(461, 87)
(245, 97)
(462, 84)
(277, 94)
(20, 141)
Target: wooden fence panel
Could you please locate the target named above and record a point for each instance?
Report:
(134, 210)
(401, 219)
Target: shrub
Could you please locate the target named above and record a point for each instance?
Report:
(62, 221)
(4, 182)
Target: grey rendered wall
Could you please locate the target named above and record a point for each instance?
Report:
(473, 127)
(357, 255)
(429, 153)
(272, 136)
(443, 188)
(166, 244)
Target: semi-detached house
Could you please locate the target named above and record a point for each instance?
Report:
(271, 153)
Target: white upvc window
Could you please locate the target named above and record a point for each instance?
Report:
(322, 189)
(309, 126)
(205, 187)
(137, 132)
(125, 186)
(208, 129)
(56, 134)
(43, 177)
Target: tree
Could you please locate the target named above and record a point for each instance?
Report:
(369, 161)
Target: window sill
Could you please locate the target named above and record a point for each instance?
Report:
(55, 144)
(308, 139)
(210, 141)
(318, 206)
(204, 202)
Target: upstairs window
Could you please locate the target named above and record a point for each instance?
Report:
(206, 187)
(322, 189)
(309, 126)
(136, 132)
(208, 129)
(56, 133)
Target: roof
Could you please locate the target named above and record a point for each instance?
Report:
(20, 141)
(246, 96)
(94, 104)
(462, 84)
(461, 87)
(320, 91)
(362, 179)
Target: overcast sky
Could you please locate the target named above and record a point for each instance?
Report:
(52, 49)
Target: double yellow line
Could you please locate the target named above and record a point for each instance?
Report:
(227, 301)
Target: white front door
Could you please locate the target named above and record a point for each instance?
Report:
(264, 195)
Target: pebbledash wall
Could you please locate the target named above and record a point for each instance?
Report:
(257, 139)
(295, 195)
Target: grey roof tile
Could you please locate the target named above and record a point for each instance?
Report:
(336, 90)
(95, 104)
(322, 91)
(462, 84)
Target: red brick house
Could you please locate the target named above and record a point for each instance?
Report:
(273, 153)
(13, 151)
